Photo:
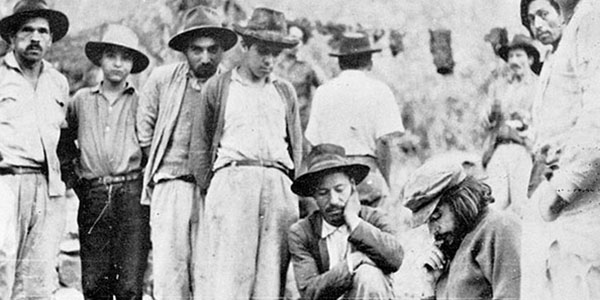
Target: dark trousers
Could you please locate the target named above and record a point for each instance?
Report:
(114, 233)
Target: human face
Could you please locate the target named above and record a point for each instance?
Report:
(443, 226)
(331, 194)
(260, 59)
(519, 61)
(545, 22)
(204, 54)
(32, 41)
(116, 64)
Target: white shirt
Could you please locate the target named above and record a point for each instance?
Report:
(353, 111)
(337, 242)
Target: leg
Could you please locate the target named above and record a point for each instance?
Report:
(370, 283)
(133, 235)
(170, 221)
(498, 178)
(9, 235)
(518, 178)
(95, 236)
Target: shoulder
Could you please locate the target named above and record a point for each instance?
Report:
(499, 224)
(217, 80)
(58, 78)
(307, 225)
(167, 71)
(82, 93)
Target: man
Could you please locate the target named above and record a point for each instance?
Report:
(248, 135)
(164, 124)
(114, 230)
(508, 161)
(342, 250)
(543, 19)
(476, 249)
(565, 116)
(32, 108)
(360, 114)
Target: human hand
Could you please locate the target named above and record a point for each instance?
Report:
(550, 204)
(352, 209)
(433, 263)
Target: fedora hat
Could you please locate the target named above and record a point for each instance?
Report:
(354, 43)
(521, 41)
(118, 36)
(203, 21)
(326, 158)
(269, 26)
(425, 187)
(27, 9)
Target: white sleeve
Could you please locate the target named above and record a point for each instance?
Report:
(388, 118)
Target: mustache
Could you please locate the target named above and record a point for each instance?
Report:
(33, 47)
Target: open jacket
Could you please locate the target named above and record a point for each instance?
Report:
(159, 107)
(209, 121)
(316, 279)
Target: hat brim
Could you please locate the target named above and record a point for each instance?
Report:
(94, 50)
(226, 36)
(304, 185)
(268, 37)
(59, 23)
(421, 216)
(365, 51)
(530, 49)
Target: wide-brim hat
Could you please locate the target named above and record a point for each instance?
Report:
(322, 159)
(424, 189)
(354, 43)
(118, 36)
(521, 41)
(268, 26)
(27, 9)
(203, 21)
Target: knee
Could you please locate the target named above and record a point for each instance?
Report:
(371, 278)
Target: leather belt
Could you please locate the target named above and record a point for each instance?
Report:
(256, 163)
(20, 170)
(108, 180)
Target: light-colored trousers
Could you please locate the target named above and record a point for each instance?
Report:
(369, 282)
(32, 224)
(242, 243)
(174, 214)
(508, 175)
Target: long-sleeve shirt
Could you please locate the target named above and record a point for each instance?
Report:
(106, 133)
(31, 119)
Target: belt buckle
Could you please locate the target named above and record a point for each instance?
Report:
(106, 180)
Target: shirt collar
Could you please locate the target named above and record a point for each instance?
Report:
(129, 89)
(328, 229)
(235, 75)
(11, 61)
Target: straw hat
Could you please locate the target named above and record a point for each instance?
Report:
(118, 36)
(27, 9)
(353, 44)
(269, 26)
(203, 21)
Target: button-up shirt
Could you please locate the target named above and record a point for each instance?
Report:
(337, 242)
(31, 118)
(255, 124)
(105, 132)
(353, 111)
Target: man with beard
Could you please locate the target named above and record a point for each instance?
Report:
(248, 135)
(476, 249)
(113, 224)
(508, 118)
(164, 124)
(565, 117)
(343, 250)
(33, 99)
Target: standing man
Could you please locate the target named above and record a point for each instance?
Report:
(476, 251)
(114, 230)
(565, 117)
(33, 99)
(508, 120)
(342, 250)
(164, 125)
(248, 135)
(360, 114)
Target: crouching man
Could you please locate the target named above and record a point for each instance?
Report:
(344, 249)
(476, 250)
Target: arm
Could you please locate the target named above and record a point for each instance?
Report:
(67, 150)
(204, 125)
(388, 128)
(384, 152)
(147, 111)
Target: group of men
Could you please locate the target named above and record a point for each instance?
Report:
(205, 166)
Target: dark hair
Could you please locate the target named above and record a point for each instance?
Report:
(525, 12)
(468, 201)
(211, 35)
(355, 62)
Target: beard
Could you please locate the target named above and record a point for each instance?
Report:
(449, 242)
(205, 70)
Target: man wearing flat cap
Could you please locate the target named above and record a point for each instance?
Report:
(246, 146)
(33, 99)
(114, 231)
(507, 123)
(164, 125)
(475, 250)
(360, 114)
(343, 250)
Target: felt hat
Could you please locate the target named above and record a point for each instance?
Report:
(203, 21)
(354, 43)
(521, 41)
(423, 190)
(268, 26)
(325, 158)
(118, 36)
(27, 9)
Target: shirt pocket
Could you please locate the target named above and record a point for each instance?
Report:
(9, 108)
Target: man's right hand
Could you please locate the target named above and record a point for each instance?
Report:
(433, 264)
